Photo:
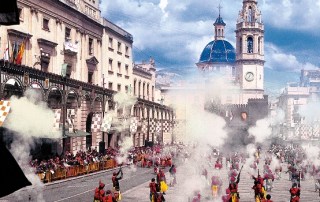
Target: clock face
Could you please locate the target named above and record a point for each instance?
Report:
(249, 76)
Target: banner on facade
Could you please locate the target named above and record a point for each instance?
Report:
(152, 125)
(166, 126)
(57, 115)
(158, 126)
(96, 123)
(144, 127)
(133, 124)
(4, 110)
(71, 118)
(106, 123)
(64, 69)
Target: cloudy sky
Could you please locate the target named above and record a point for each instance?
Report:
(174, 32)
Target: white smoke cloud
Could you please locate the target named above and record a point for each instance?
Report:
(125, 103)
(261, 131)
(312, 153)
(125, 145)
(20, 149)
(31, 117)
(311, 111)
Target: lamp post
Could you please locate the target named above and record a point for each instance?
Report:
(103, 104)
(64, 109)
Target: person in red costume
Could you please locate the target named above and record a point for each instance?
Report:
(295, 193)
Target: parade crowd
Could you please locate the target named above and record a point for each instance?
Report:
(266, 165)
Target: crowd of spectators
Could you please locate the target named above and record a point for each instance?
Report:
(141, 156)
(69, 159)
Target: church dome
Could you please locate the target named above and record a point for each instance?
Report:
(218, 51)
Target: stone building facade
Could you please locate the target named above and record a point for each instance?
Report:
(78, 61)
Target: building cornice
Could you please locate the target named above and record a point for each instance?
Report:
(250, 61)
(142, 73)
(19, 34)
(46, 42)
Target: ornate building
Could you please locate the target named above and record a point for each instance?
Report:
(233, 78)
(243, 67)
(78, 61)
(295, 98)
(250, 51)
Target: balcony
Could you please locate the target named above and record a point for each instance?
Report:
(70, 48)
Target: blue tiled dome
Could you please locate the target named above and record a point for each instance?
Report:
(218, 51)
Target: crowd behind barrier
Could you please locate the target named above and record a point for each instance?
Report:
(83, 162)
(71, 165)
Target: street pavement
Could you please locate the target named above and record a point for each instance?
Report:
(80, 188)
(280, 192)
(135, 187)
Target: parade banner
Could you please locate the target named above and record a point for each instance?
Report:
(4, 110)
(57, 115)
(106, 123)
(71, 119)
(96, 123)
(133, 124)
(144, 127)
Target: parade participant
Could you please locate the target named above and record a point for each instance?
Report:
(233, 187)
(218, 165)
(216, 184)
(227, 196)
(99, 192)
(155, 169)
(116, 184)
(196, 197)
(159, 197)
(278, 171)
(259, 178)
(259, 192)
(317, 185)
(232, 175)
(269, 178)
(295, 193)
(205, 173)
(115, 179)
(109, 197)
(153, 189)
(161, 180)
(173, 172)
(295, 177)
(268, 199)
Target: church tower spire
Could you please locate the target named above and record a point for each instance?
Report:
(219, 26)
(250, 50)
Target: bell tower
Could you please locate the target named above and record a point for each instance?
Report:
(250, 51)
(219, 27)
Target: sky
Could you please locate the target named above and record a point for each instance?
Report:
(174, 33)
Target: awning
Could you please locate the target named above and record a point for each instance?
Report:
(79, 133)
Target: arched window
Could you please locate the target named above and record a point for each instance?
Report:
(240, 45)
(250, 14)
(259, 45)
(250, 44)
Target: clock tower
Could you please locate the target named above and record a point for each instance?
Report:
(250, 51)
